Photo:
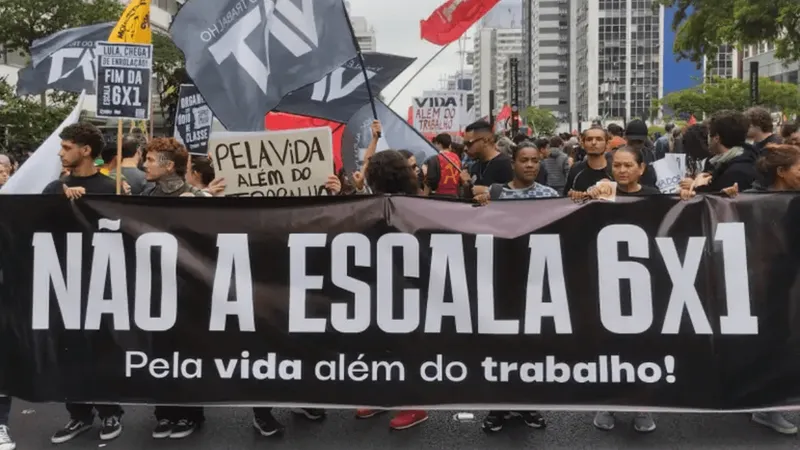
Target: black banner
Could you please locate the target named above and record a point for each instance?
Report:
(123, 80)
(193, 120)
(393, 301)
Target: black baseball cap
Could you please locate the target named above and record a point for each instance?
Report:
(636, 130)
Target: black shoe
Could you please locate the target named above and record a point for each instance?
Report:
(72, 429)
(267, 426)
(310, 414)
(163, 430)
(112, 427)
(533, 419)
(183, 428)
(494, 422)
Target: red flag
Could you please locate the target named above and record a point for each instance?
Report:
(276, 121)
(453, 19)
(504, 113)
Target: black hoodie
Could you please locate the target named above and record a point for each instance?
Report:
(741, 170)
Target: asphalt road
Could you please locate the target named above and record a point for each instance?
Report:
(229, 429)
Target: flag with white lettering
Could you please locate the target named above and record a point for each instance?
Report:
(245, 56)
(393, 301)
(341, 93)
(193, 120)
(397, 134)
(63, 61)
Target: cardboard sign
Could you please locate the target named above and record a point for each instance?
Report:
(123, 80)
(438, 114)
(294, 163)
(670, 170)
(193, 120)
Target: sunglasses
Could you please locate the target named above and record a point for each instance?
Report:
(468, 143)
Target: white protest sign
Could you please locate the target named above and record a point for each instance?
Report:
(292, 163)
(442, 113)
(670, 170)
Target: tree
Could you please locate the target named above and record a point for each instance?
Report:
(542, 120)
(169, 69)
(703, 26)
(26, 122)
(720, 94)
(24, 21)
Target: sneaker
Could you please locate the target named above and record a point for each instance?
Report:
(6, 443)
(72, 429)
(112, 427)
(533, 419)
(604, 420)
(367, 413)
(407, 419)
(644, 423)
(310, 414)
(163, 430)
(183, 428)
(494, 421)
(266, 425)
(776, 421)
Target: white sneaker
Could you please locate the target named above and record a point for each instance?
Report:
(6, 443)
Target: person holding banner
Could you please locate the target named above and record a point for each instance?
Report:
(81, 145)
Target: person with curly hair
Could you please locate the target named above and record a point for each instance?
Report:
(81, 145)
(389, 172)
(791, 130)
(165, 167)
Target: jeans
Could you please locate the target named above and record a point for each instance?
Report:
(5, 410)
(85, 411)
(176, 413)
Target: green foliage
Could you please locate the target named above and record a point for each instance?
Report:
(543, 121)
(169, 69)
(652, 130)
(717, 95)
(713, 23)
(26, 122)
(24, 21)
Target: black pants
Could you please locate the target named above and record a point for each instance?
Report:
(176, 413)
(85, 411)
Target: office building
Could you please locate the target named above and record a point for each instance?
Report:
(619, 55)
(547, 64)
(727, 64)
(491, 49)
(768, 65)
(365, 33)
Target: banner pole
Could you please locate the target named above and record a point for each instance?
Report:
(414, 77)
(150, 135)
(118, 171)
(361, 62)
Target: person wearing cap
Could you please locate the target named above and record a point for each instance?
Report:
(636, 138)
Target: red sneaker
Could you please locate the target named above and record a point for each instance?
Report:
(367, 413)
(408, 419)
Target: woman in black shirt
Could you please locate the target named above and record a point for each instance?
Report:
(627, 168)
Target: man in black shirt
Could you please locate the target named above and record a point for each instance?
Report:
(81, 144)
(491, 166)
(762, 129)
(594, 168)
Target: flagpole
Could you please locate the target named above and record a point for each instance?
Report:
(361, 61)
(414, 77)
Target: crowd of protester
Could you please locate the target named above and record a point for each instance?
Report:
(729, 153)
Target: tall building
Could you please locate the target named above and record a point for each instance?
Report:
(365, 33)
(547, 64)
(620, 49)
(768, 65)
(495, 41)
(727, 64)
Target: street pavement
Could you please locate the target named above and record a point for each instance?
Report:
(230, 429)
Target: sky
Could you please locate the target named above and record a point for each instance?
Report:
(396, 26)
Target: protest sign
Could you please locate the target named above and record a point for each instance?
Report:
(441, 113)
(670, 170)
(646, 303)
(123, 80)
(293, 163)
(193, 120)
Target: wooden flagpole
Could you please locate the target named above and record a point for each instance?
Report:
(118, 169)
